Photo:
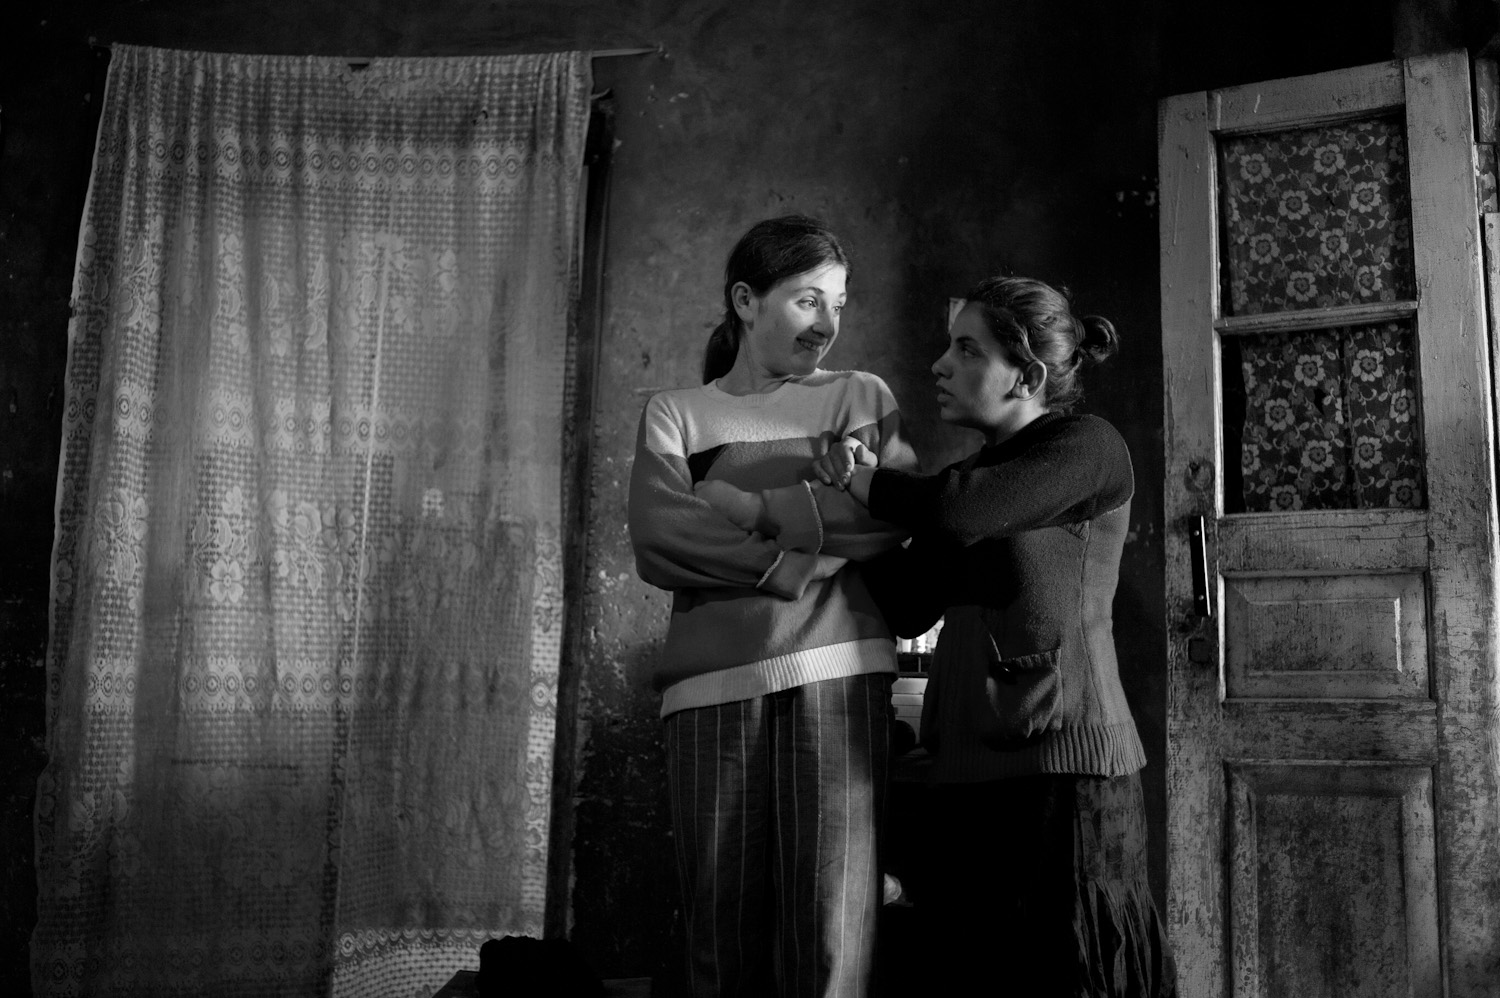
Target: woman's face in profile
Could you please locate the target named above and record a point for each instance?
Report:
(790, 328)
(975, 375)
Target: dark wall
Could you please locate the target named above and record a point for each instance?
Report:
(49, 100)
(943, 150)
(994, 135)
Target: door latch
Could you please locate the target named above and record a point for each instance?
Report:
(1203, 603)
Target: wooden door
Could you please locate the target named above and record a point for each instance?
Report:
(1333, 820)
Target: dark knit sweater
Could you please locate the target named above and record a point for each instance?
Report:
(1018, 548)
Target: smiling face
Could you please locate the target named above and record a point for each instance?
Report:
(979, 383)
(790, 328)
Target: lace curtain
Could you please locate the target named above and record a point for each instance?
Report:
(1323, 419)
(1327, 419)
(307, 586)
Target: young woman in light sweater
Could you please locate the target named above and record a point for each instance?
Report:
(775, 674)
(1038, 882)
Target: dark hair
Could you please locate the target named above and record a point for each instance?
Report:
(773, 250)
(1035, 321)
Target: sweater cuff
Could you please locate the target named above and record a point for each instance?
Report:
(789, 574)
(899, 496)
(794, 512)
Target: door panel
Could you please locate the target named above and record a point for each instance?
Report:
(1309, 636)
(1306, 841)
(1331, 746)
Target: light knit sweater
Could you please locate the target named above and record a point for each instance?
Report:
(752, 614)
(1018, 547)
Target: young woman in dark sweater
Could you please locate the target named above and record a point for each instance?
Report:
(1038, 882)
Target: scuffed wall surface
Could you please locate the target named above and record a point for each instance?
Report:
(944, 142)
(46, 137)
(942, 150)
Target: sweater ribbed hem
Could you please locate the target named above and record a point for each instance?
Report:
(1112, 750)
(772, 675)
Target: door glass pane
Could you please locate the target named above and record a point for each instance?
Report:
(1322, 419)
(1315, 217)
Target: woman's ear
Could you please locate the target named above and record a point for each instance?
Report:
(1031, 382)
(744, 302)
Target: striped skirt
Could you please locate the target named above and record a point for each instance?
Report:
(776, 802)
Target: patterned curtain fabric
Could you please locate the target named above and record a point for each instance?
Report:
(307, 585)
(1316, 217)
(1330, 420)
(1320, 218)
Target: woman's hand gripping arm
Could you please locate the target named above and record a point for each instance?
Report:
(823, 518)
(682, 542)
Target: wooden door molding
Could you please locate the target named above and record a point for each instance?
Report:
(1195, 764)
(1459, 431)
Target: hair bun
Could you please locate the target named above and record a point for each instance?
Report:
(1098, 340)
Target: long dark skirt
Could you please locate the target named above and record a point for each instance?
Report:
(1037, 886)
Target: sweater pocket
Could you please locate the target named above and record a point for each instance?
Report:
(1022, 698)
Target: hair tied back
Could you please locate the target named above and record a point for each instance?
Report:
(1097, 338)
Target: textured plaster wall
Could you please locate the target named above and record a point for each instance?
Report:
(944, 142)
(943, 150)
(46, 138)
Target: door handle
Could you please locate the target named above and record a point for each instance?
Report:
(1203, 603)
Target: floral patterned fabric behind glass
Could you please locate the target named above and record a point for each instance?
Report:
(1316, 217)
(1320, 218)
(307, 581)
(1330, 420)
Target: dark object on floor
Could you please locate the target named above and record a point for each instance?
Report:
(522, 967)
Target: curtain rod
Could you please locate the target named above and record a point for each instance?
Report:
(361, 60)
(615, 53)
(357, 60)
